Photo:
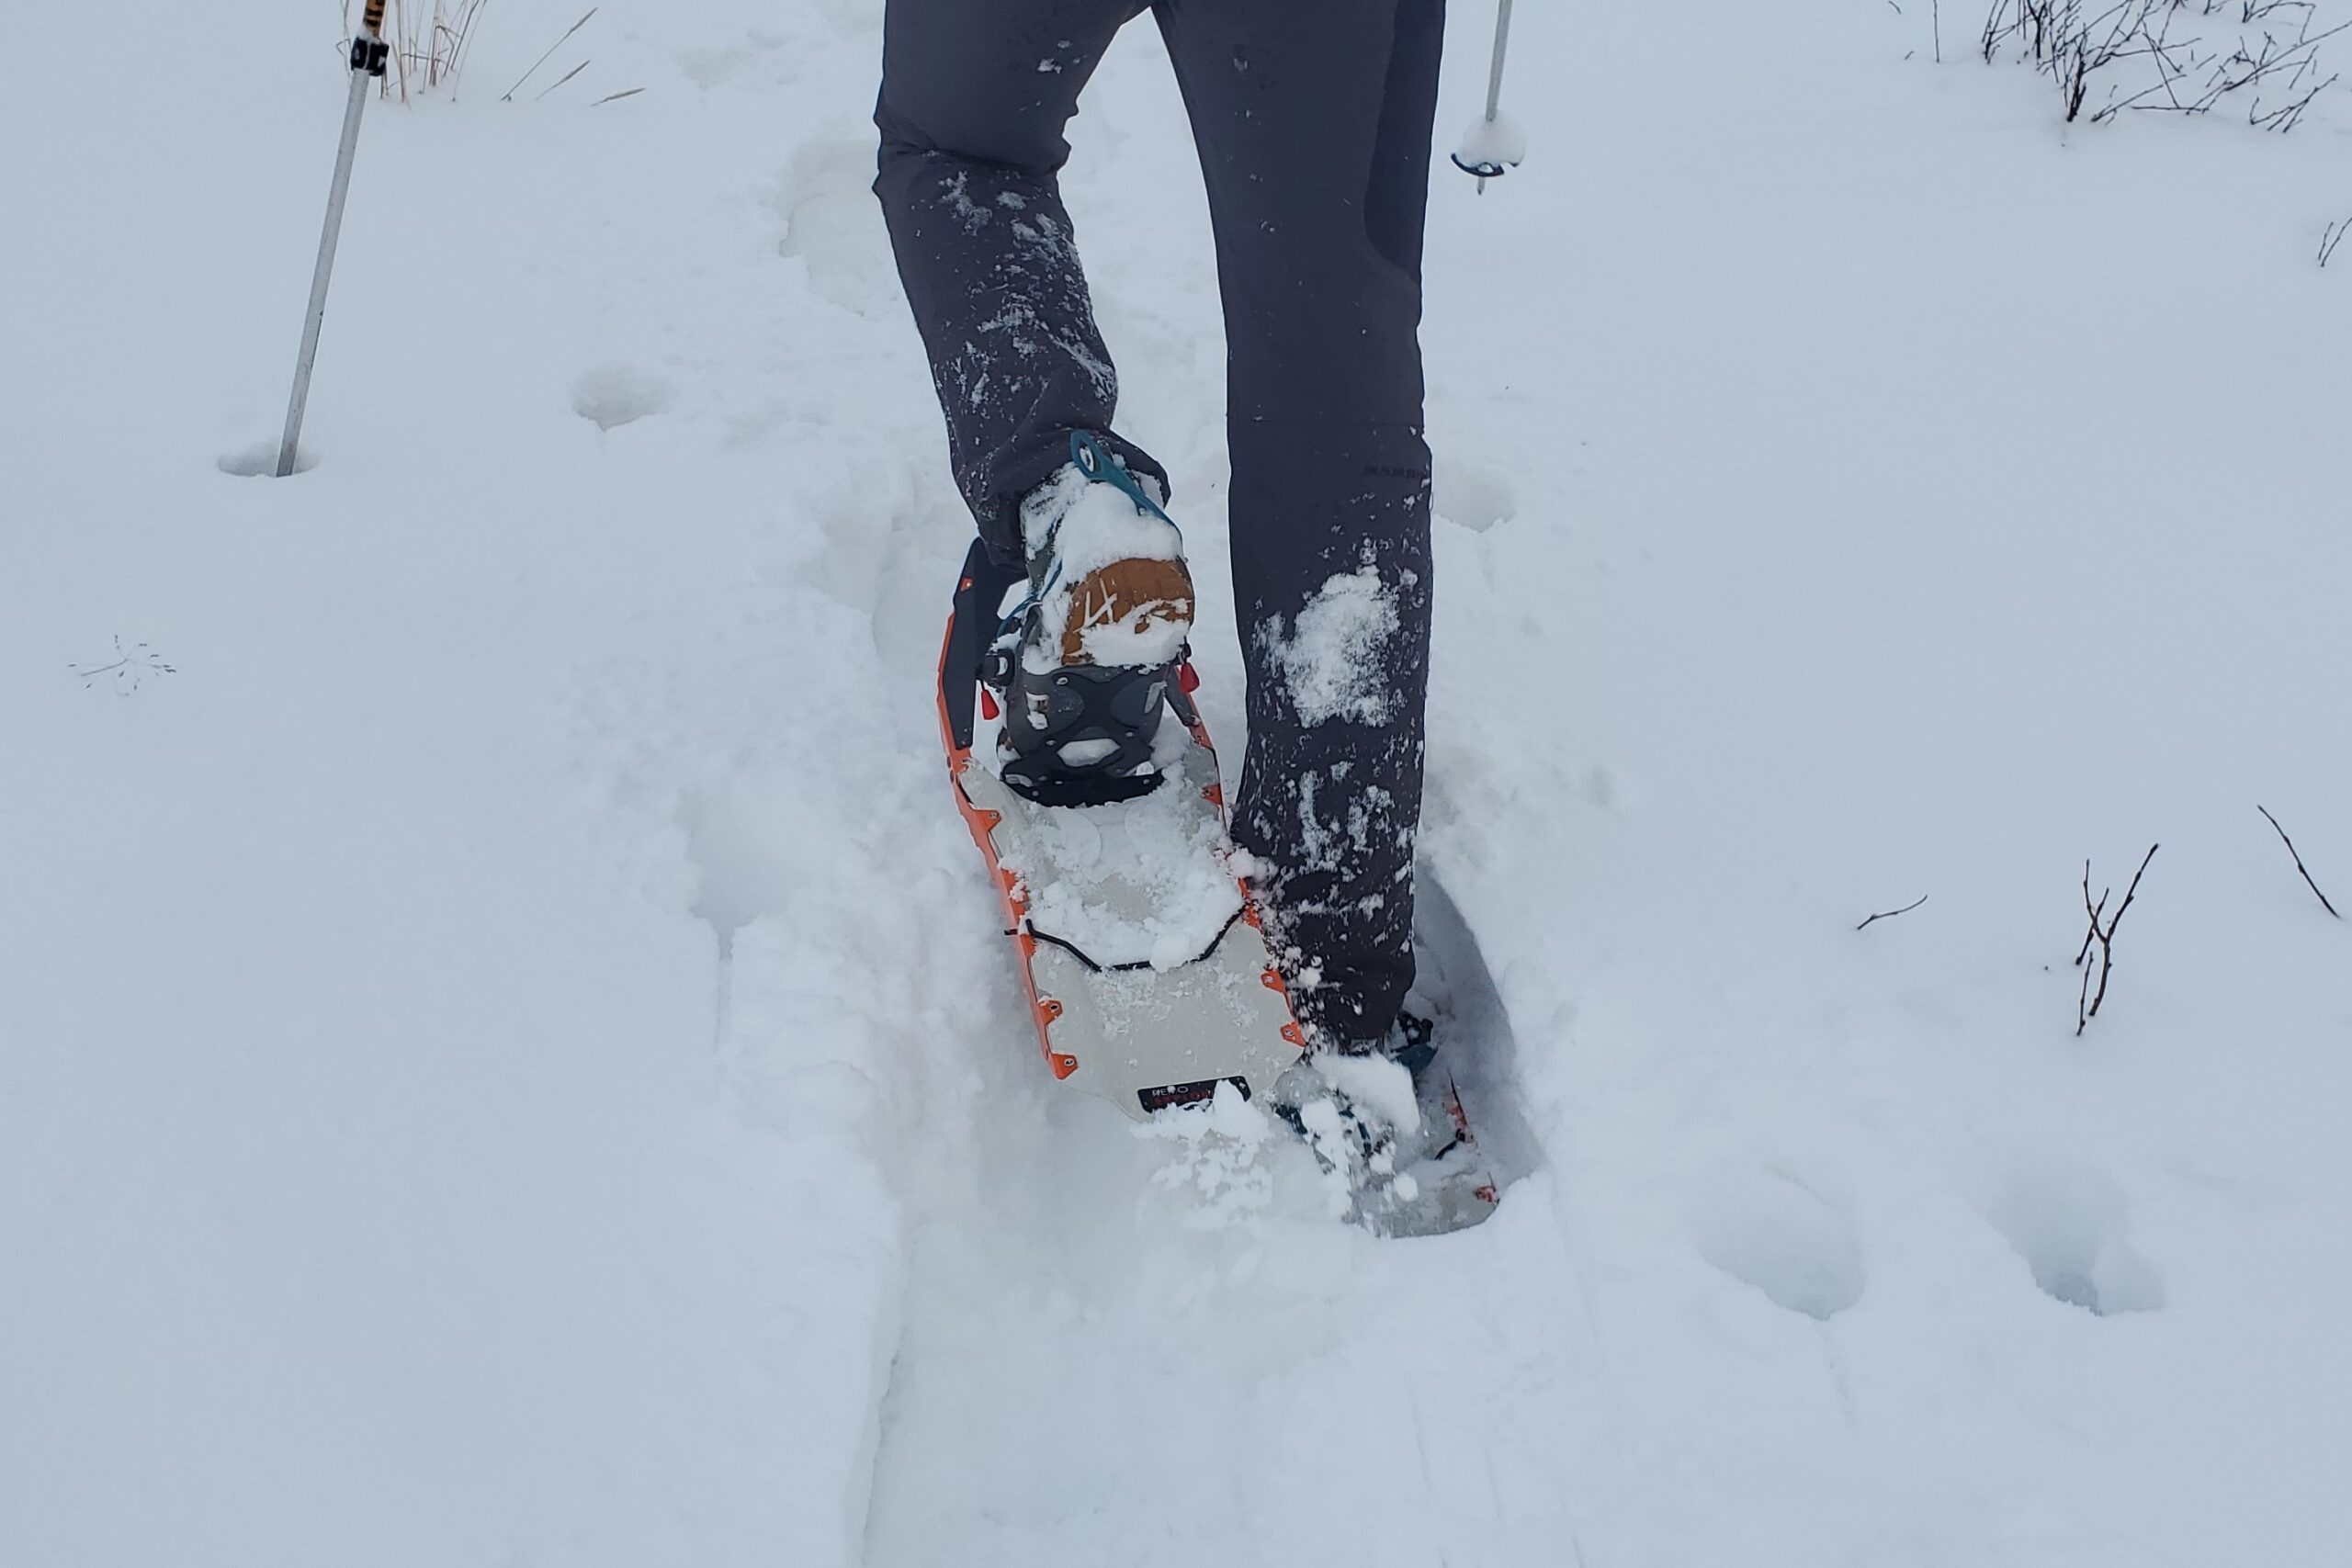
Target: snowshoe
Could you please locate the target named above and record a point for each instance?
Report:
(1422, 1131)
(1093, 792)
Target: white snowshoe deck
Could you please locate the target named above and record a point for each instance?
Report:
(1148, 976)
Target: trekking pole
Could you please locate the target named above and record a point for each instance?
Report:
(1493, 145)
(368, 54)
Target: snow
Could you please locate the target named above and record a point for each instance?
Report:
(1376, 1085)
(1330, 659)
(1141, 881)
(1089, 525)
(507, 1054)
(1224, 1159)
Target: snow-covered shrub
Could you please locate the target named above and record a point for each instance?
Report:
(2178, 56)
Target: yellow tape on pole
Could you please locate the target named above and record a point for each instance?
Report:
(376, 16)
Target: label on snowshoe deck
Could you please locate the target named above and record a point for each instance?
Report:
(1199, 1093)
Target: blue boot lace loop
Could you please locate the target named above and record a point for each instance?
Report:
(1095, 461)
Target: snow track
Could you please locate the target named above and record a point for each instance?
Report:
(1095, 1307)
(505, 1056)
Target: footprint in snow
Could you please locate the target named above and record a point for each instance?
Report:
(1767, 1229)
(830, 226)
(2070, 1225)
(614, 395)
(1471, 494)
(759, 59)
(748, 854)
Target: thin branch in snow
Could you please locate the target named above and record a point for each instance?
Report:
(2082, 49)
(2333, 238)
(129, 666)
(466, 35)
(2083, 1000)
(509, 96)
(1889, 914)
(2092, 935)
(2287, 115)
(2298, 857)
(2087, 1006)
(562, 79)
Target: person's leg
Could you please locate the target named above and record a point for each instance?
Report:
(974, 95)
(1314, 118)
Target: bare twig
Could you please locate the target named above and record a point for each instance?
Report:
(2083, 1000)
(508, 96)
(562, 79)
(429, 49)
(465, 37)
(2096, 910)
(131, 666)
(2289, 115)
(1889, 914)
(615, 97)
(2082, 45)
(2104, 936)
(2333, 238)
(2298, 859)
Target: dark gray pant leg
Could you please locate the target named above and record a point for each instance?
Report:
(974, 95)
(1314, 120)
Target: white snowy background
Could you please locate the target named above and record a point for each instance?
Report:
(506, 1059)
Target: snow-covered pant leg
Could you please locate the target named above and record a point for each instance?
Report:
(1313, 119)
(974, 95)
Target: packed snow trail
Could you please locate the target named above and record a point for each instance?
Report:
(506, 1055)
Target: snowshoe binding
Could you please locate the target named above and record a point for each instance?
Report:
(1087, 664)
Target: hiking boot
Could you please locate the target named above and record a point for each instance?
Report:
(1091, 661)
(1410, 1043)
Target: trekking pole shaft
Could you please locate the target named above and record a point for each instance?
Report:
(362, 79)
(1494, 73)
(1502, 45)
